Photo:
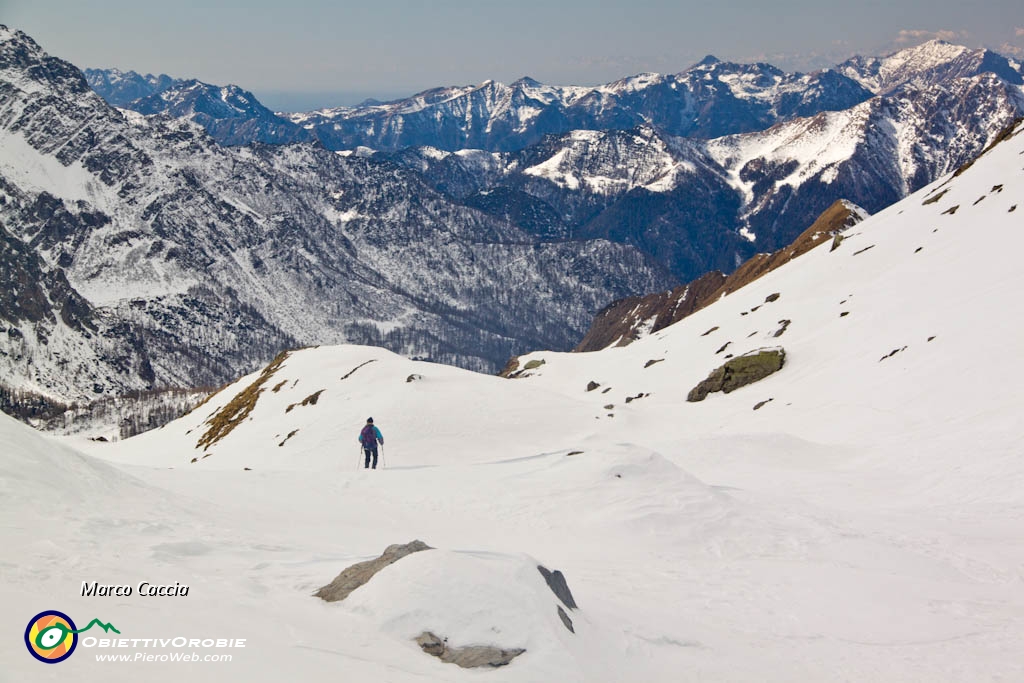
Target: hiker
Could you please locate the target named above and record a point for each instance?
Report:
(369, 437)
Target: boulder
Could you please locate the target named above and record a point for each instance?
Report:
(556, 582)
(358, 574)
(739, 372)
(468, 656)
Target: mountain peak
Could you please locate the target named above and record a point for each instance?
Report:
(527, 82)
(709, 60)
(26, 65)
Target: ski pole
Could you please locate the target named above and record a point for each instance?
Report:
(383, 462)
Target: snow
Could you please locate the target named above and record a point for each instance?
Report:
(551, 169)
(817, 145)
(865, 524)
(33, 171)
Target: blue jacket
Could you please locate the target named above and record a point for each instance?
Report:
(376, 433)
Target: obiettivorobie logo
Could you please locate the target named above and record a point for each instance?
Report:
(51, 636)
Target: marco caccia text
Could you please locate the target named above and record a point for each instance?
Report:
(144, 589)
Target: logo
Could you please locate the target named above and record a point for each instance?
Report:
(51, 636)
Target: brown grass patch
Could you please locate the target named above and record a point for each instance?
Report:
(237, 409)
(308, 401)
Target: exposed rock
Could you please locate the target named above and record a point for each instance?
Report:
(892, 353)
(935, 198)
(353, 370)
(556, 582)
(308, 401)
(621, 321)
(592, 385)
(513, 371)
(565, 619)
(413, 377)
(469, 656)
(739, 372)
(652, 362)
(358, 574)
(510, 367)
(290, 435)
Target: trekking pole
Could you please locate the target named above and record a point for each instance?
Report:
(359, 460)
(383, 462)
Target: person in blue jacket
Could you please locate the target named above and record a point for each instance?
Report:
(369, 437)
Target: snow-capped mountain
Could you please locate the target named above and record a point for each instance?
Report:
(121, 88)
(230, 115)
(626, 320)
(196, 260)
(609, 162)
(710, 99)
(927, 64)
(855, 515)
(699, 205)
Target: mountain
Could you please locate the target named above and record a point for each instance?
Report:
(230, 115)
(930, 63)
(700, 170)
(697, 205)
(626, 320)
(710, 99)
(163, 259)
(121, 88)
(854, 515)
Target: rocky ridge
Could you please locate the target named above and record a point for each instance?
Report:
(197, 261)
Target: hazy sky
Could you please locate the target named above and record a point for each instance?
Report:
(304, 53)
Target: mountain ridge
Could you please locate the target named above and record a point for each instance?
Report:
(202, 260)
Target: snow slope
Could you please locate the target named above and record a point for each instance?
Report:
(865, 524)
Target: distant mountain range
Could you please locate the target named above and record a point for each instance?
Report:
(700, 169)
(147, 255)
(192, 233)
(708, 100)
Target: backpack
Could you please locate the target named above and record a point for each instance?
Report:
(368, 437)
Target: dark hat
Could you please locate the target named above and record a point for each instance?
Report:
(369, 420)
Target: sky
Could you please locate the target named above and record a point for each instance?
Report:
(308, 53)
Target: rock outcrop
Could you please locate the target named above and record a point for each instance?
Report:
(467, 656)
(556, 582)
(739, 372)
(358, 574)
(626, 320)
